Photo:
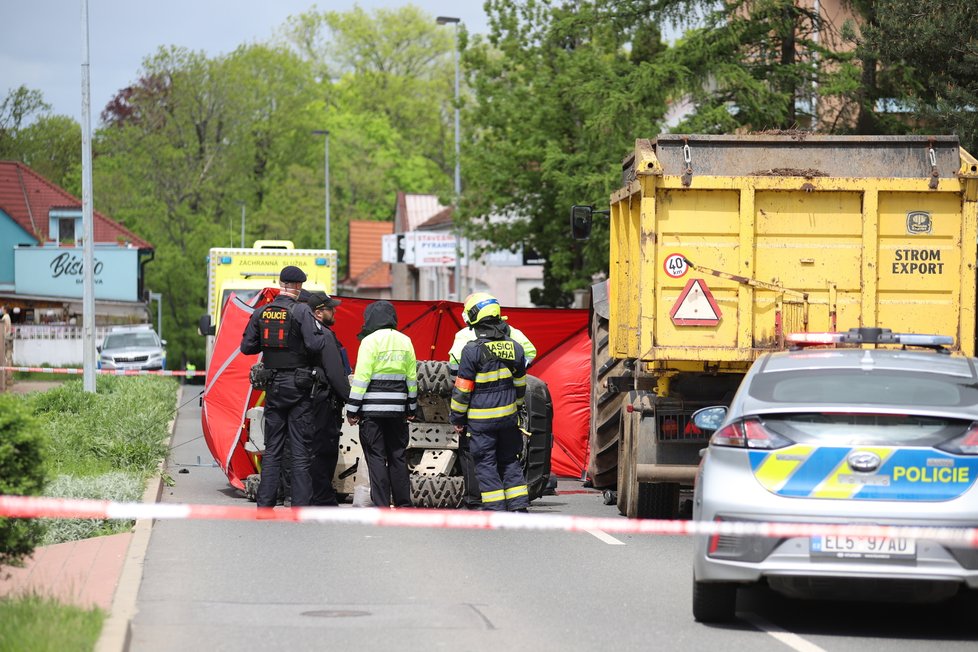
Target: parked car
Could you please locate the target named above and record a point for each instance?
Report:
(132, 347)
(869, 436)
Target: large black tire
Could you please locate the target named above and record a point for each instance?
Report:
(540, 415)
(714, 602)
(439, 492)
(605, 409)
(658, 500)
(435, 377)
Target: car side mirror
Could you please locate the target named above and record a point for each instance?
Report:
(580, 222)
(204, 326)
(162, 342)
(708, 419)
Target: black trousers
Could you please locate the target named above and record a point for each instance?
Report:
(384, 441)
(288, 413)
(472, 497)
(325, 449)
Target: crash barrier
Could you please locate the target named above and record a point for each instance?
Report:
(39, 507)
(109, 372)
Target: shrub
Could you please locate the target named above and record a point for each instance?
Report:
(22, 473)
(117, 486)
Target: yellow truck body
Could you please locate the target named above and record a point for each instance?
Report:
(722, 245)
(786, 236)
(246, 271)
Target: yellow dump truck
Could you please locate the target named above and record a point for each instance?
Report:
(245, 271)
(722, 245)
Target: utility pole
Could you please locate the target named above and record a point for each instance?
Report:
(325, 132)
(445, 20)
(88, 228)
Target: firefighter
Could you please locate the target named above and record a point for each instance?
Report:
(383, 397)
(486, 399)
(328, 403)
(472, 497)
(289, 338)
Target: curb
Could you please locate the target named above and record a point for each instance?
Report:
(116, 630)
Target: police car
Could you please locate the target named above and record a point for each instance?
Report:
(846, 435)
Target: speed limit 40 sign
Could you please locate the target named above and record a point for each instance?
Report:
(675, 265)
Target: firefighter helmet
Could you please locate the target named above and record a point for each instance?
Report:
(479, 306)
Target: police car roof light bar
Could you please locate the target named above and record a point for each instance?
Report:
(867, 335)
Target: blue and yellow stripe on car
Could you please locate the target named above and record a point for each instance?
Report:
(910, 474)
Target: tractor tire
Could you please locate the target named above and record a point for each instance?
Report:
(536, 457)
(434, 377)
(251, 486)
(439, 492)
(605, 409)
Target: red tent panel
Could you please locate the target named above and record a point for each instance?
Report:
(563, 362)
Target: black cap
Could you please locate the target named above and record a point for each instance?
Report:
(319, 300)
(292, 274)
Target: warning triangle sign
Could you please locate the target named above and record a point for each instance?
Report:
(695, 306)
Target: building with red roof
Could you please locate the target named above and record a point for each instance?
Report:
(41, 265)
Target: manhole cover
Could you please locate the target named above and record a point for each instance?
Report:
(336, 613)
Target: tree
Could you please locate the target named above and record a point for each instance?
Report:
(559, 98)
(935, 41)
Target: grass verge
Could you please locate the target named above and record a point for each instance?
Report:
(44, 625)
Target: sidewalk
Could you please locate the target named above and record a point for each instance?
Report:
(82, 573)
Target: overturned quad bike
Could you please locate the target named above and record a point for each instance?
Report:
(432, 452)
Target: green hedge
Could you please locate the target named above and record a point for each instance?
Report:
(22, 473)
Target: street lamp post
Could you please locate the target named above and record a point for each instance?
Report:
(325, 132)
(445, 20)
(242, 223)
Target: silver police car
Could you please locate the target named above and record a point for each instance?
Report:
(846, 435)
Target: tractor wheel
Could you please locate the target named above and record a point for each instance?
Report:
(536, 457)
(438, 492)
(605, 409)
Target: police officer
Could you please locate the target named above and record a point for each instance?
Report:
(488, 391)
(288, 336)
(334, 392)
(383, 395)
(472, 497)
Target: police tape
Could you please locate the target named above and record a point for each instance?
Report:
(108, 372)
(41, 507)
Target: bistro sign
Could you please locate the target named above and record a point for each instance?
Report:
(60, 272)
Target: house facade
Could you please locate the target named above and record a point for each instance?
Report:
(41, 265)
(423, 259)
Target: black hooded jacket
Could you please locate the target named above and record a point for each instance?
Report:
(379, 314)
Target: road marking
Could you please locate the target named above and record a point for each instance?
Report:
(793, 641)
(604, 536)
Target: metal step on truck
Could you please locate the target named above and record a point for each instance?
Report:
(720, 246)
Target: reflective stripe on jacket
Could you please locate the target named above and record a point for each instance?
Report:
(489, 389)
(385, 382)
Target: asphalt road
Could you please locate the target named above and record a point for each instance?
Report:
(261, 585)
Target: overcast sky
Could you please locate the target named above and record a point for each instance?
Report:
(41, 40)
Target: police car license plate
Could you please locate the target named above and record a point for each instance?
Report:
(843, 547)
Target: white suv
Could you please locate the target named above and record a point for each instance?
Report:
(132, 347)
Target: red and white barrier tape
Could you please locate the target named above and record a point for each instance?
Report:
(38, 507)
(107, 372)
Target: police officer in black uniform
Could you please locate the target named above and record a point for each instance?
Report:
(290, 339)
(334, 391)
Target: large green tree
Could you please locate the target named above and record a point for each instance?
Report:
(560, 92)
(49, 144)
(934, 42)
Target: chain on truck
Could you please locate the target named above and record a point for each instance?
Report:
(722, 245)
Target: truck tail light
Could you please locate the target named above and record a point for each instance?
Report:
(966, 444)
(748, 433)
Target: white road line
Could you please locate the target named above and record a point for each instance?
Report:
(604, 536)
(793, 641)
